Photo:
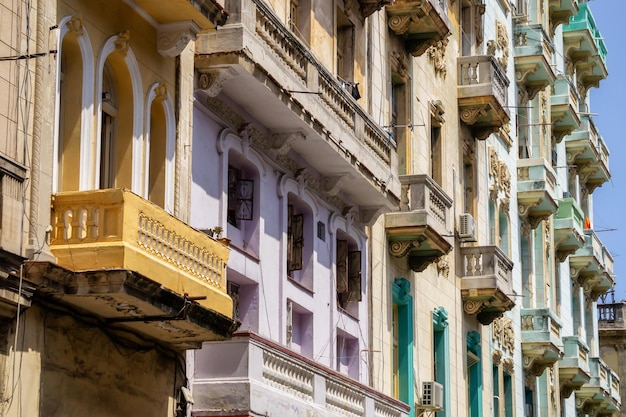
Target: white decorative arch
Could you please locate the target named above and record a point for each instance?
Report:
(339, 222)
(287, 184)
(228, 140)
(170, 146)
(135, 78)
(86, 122)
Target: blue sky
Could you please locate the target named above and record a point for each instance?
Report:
(609, 102)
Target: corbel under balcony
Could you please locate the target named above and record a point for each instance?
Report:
(179, 21)
(561, 11)
(568, 228)
(486, 283)
(533, 60)
(421, 23)
(536, 195)
(564, 108)
(541, 340)
(482, 94)
(369, 7)
(421, 230)
(573, 366)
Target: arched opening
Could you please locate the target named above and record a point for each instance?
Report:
(70, 110)
(158, 153)
(116, 127)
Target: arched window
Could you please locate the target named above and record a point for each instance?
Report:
(70, 112)
(74, 108)
(108, 128)
(300, 241)
(120, 114)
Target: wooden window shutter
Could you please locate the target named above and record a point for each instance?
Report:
(295, 240)
(354, 276)
(342, 266)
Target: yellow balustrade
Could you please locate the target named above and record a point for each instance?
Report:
(116, 229)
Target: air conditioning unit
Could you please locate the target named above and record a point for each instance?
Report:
(467, 228)
(432, 395)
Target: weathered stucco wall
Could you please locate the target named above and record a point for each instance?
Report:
(67, 367)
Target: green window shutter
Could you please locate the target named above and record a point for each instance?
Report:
(354, 276)
(342, 266)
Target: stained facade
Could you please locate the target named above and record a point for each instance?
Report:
(354, 207)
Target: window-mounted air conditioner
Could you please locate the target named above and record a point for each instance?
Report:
(467, 228)
(432, 395)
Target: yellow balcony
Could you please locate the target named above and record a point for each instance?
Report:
(129, 262)
(206, 14)
(421, 23)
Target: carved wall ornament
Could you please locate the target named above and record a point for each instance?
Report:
(508, 365)
(493, 162)
(173, 38)
(436, 112)
(122, 42)
(505, 206)
(479, 11)
(369, 7)
(437, 56)
(443, 266)
(160, 92)
(496, 357)
(525, 228)
(500, 174)
(399, 65)
(504, 178)
(469, 149)
(493, 193)
(504, 333)
(75, 24)
(282, 142)
(502, 43)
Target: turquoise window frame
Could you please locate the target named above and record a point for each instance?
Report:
(475, 377)
(404, 301)
(441, 356)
